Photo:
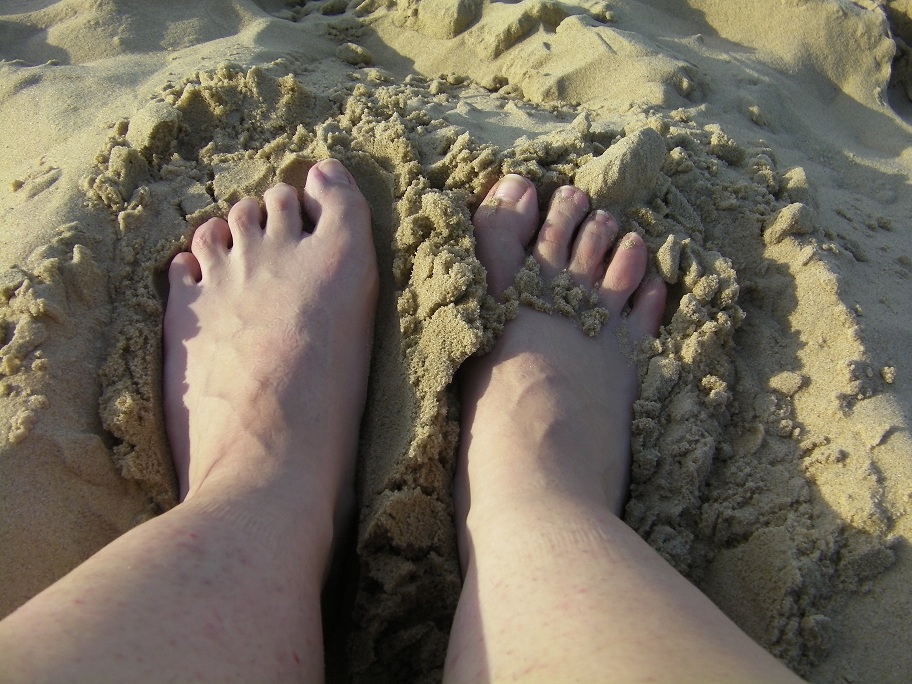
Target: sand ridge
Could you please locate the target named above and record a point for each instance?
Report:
(766, 426)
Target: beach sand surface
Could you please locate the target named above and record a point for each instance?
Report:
(762, 149)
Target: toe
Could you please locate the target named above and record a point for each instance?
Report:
(245, 220)
(184, 271)
(648, 306)
(624, 273)
(552, 247)
(332, 199)
(504, 224)
(283, 212)
(211, 243)
(595, 236)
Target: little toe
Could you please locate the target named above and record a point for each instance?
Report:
(552, 247)
(648, 306)
(211, 243)
(333, 200)
(184, 271)
(504, 225)
(595, 237)
(246, 221)
(624, 273)
(283, 212)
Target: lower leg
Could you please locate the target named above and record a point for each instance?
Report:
(585, 599)
(557, 587)
(264, 386)
(189, 596)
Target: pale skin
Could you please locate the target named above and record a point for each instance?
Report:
(264, 389)
(557, 588)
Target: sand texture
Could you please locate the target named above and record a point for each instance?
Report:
(762, 149)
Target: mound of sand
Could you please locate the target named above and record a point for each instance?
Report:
(767, 170)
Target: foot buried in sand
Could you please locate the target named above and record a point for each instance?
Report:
(267, 338)
(267, 342)
(545, 382)
(557, 587)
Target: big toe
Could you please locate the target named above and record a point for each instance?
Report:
(504, 224)
(333, 200)
(342, 227)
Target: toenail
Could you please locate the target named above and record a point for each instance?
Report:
(334, 171)
(629, 242)
(565, 192)
(511, 188)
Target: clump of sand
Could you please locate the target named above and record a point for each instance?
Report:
(766, 435)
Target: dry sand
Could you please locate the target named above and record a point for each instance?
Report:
(763, 150)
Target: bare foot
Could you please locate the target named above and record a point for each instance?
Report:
(557, 587)
(547, 389)
(267, 343)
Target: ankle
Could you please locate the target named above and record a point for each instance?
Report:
(545, 469)
(279, 518)
(530, 527)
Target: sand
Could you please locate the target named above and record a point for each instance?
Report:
(762, 150)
